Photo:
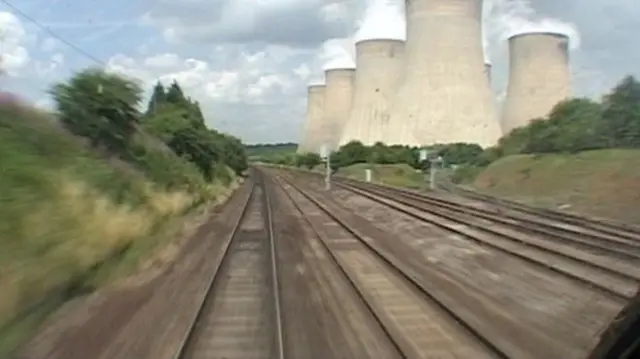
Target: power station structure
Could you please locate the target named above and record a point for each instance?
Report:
(435, 88)
(314, 119)
(445, 95)
(539, 77)
(379, 65)
(337, 105)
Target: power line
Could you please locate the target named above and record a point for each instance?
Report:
(52, 33)
(64, 41)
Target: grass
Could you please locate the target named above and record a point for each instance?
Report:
(603, 183)
(71, 221)
(400, 175)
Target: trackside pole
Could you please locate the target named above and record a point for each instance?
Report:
(434, 161)
(326, 157)
(424, 156)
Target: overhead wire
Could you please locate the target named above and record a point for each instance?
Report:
(53, 34)
(66, 42)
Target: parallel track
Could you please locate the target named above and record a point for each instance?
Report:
(239, 316)
(615, 229)
(418, 324)
(516, 316)
(541, 220)
(607, 274)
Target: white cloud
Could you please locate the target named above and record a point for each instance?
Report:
(50, 44)
(230, 87)
(45, 68)
(13, 53)
(243, 21)
(194, 75)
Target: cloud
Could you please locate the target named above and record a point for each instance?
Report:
(303, 23)
(211, 82)
(241, 91)
(13, 53)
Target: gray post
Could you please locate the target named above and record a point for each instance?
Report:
(432, 174)
(328, 174)
(325, 153)
(435, 162)
(424, 156)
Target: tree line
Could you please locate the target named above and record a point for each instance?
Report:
(107, 110)
(573, 125)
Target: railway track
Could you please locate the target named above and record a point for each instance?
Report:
(615, 229)
(605, 271)
(240, 313)
(531, 305)
(417, 324)
(585, 232)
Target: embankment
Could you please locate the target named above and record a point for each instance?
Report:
(603, 183)
(72, 220)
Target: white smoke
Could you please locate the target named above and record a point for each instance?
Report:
(382, 19)
(505, 18)
(379, 19)
(338, 54)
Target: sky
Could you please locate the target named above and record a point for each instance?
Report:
(249, 62)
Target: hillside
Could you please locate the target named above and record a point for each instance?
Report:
(602, 183)
(94, 194)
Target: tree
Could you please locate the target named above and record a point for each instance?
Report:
(575, 125)
(179, 122)
(175, 95)
(158, 97)
(99, 106)
(459, 153)
(621, 115)
(308, 160)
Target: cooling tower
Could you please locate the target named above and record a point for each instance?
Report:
(445, 96)
(337, 105)
(314, 118)
(539, 77)
(379, 65)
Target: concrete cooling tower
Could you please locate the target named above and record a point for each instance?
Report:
(314, 118)
(337, 105)
(379, 66)
(539, 77)
(445, 96)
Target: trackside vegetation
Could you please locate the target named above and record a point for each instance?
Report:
(91, 190)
